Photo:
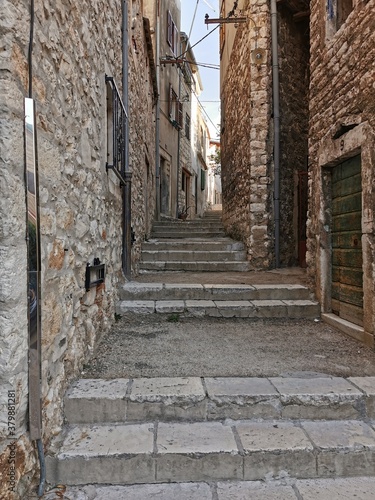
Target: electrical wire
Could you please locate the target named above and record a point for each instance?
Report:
(192, 22)
(205, 112)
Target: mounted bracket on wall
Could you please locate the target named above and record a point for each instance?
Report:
(95, 274)
(258, 56)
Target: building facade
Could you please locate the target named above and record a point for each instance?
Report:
(298, 145)
(66, 60)
(264, 175)
(341, 224)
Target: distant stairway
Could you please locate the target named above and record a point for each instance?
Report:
(192, 245)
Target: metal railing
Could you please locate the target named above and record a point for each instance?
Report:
(119, 124)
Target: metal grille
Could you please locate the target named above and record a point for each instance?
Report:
(119, 124)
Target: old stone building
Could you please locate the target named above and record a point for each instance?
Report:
(165, 16)
(341, 224)
(76, 140)
(298, 145)
(194, 138)
(263, 174)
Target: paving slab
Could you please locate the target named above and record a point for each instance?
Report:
(367, 385)
(320, 397)
(347, 448)
(241, 398)
(145, 291)
(270, 309)
(169, 306)
(234, 309)
(361, 488)
(194, 291)
(177, 491)
(197, 452)
(104, 454)
(254, 490)
(274, 448)
(96, 400)
(277, 291)
(135, 306)
(302, 309)
(199, 307)
(167, 399)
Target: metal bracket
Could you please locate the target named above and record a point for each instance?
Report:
(95, 274)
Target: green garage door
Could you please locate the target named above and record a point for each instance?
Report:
(347, 275)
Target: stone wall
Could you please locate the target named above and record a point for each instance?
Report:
(247, 128)
(75, 46)
(342, 124)
(142, 101)
(246, 138)
(293, 38)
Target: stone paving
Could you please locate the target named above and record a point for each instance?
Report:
(194, 398)
(361, 488)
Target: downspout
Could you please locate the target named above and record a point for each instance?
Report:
(126, 195)
(276, 123)
(157, 114)
(178, 138)
(33, 265)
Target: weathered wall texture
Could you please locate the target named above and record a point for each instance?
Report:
(141, 131)
(246, 139)
(293, 38)
(75, 45)
(342, 95)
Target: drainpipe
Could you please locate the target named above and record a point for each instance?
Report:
(157, 114)
(126, 194)
(178, 137)
(276, 123)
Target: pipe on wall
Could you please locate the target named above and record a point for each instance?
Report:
(157, 113)
(276, 122)
(126, 194)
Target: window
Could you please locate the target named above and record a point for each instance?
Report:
(172, 34)
(344, 8)
(175, 110)
(187, 126)
(337, 13)
(203, 179)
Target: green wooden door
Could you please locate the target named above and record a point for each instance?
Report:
(347, 274)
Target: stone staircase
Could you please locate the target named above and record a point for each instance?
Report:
(192, 245)
(221, 300)
(217, 439)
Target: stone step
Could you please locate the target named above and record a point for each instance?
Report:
(290, 309)
(361, 488)
(198, 244)
(247, 450)
(209, 292)
(191, 256)
(91, 401)
(187, 233)
(204, 266)
(194, 223)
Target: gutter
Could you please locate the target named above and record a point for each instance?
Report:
(276, 122)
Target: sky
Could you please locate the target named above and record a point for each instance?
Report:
(205, 52)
